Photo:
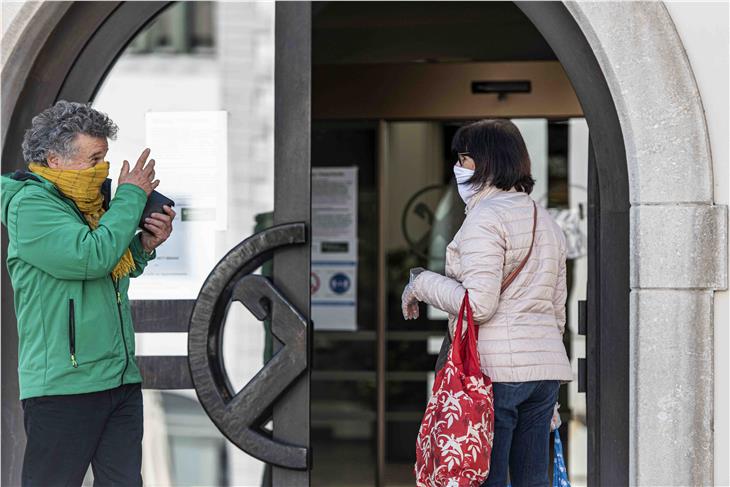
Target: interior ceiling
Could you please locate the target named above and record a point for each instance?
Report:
(401, 32)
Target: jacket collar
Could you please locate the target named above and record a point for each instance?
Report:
(487, 192)
(22, 175)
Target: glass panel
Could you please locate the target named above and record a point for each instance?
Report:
(196, 86)
(425, 213)
(344, 248)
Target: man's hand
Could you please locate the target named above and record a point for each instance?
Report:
(142, 175)
(157, 229)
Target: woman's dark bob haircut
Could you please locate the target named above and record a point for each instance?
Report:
(499, 152)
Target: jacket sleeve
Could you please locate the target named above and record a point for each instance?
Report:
(482, 251)
(561, 293)
(49, 236)
(140, 256)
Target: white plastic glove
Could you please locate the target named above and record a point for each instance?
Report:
(409, 303)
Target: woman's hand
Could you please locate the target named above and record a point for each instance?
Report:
(409, 302)
(158, 227)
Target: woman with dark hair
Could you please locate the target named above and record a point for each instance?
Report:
(520, 330)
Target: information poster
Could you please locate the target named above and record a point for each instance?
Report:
(191, 161)
(334, 248)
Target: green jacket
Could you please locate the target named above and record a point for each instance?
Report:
(75, 331)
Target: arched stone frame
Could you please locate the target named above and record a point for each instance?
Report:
(678, 236)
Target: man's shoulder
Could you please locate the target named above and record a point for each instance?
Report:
(34, 190)
(36, 197)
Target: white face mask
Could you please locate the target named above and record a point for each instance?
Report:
(466, 190)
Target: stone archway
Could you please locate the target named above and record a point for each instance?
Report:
(678, 237)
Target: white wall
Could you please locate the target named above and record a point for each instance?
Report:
(703, 28)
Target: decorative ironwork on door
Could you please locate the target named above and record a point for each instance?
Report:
(240, 415)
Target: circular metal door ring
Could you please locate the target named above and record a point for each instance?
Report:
(239, 416)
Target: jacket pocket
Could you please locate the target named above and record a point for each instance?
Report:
(72, 332)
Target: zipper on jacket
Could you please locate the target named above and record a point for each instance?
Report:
(118, 298)
(121, 327)
(72, 333)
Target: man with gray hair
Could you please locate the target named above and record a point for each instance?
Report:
(72, 249)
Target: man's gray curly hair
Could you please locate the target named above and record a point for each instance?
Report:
(54, 129)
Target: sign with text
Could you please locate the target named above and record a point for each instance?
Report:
(334, 248)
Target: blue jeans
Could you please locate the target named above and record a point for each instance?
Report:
(522, 414)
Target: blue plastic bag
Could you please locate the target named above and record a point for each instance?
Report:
(560, 473)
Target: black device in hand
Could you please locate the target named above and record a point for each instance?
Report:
(155, 202)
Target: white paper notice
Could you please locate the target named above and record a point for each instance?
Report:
(191, 154)
(334, 248)
(191, 161)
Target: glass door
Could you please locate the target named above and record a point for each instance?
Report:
(220, 93)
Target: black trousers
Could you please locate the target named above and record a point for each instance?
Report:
(67, 433)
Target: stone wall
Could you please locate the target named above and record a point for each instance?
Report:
(678, 238)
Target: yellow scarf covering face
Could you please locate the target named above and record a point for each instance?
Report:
(83, 186)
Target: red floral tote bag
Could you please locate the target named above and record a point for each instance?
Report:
(455, 438)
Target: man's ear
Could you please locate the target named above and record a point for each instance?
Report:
(53, 160)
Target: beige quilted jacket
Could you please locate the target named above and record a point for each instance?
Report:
(520, 333)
